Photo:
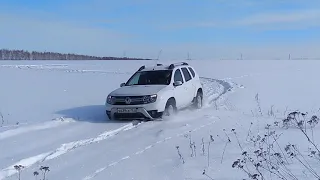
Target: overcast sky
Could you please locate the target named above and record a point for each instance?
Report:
(207, 29)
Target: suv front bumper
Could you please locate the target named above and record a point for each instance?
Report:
(139, 113)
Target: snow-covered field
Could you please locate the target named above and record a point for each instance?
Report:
(52, 114)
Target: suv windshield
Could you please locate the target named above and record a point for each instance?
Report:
(161, 77)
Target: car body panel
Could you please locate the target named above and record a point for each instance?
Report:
(188, 86)
(137, 90)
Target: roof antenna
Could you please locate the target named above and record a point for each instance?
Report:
(188, 58)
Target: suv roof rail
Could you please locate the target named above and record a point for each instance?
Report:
(141, 68)
(177, 64)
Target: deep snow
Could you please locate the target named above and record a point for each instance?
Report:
(53, 115)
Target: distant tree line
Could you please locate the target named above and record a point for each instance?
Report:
(6, 54)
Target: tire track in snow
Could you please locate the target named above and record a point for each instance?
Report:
(14, 125)
(226, 86)
(25, 129)
(100, 170)
(63, 149)
(212, 94)
(242, 76)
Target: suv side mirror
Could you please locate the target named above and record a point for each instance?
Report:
(177, 83)
(122, 84)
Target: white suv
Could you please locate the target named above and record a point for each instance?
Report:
(155, 92)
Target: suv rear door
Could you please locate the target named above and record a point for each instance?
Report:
(195, 80)
(188, 85)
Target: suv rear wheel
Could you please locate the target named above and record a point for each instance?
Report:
(198, 102)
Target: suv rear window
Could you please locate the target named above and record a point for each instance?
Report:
(186, 74)
(192, 71)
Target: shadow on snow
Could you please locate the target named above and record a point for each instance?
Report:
(91, 113)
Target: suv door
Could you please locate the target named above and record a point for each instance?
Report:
(180, 92)
(188, 85)
(195, 81)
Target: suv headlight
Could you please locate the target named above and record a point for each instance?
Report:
(150, 99)
(110, 100)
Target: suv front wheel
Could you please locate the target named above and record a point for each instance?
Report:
(170, 108)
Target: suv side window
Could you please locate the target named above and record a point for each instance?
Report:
(192, 71)
(178, 76)
(186, 74)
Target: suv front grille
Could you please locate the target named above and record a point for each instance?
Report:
(129, 116)
(134, 100)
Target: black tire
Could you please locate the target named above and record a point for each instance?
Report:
(170, 108)
(198, 101)
(108, 113)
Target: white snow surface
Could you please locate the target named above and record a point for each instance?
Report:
(52, 114)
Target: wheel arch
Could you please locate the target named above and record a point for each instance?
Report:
(173, 100)
(200, 90)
